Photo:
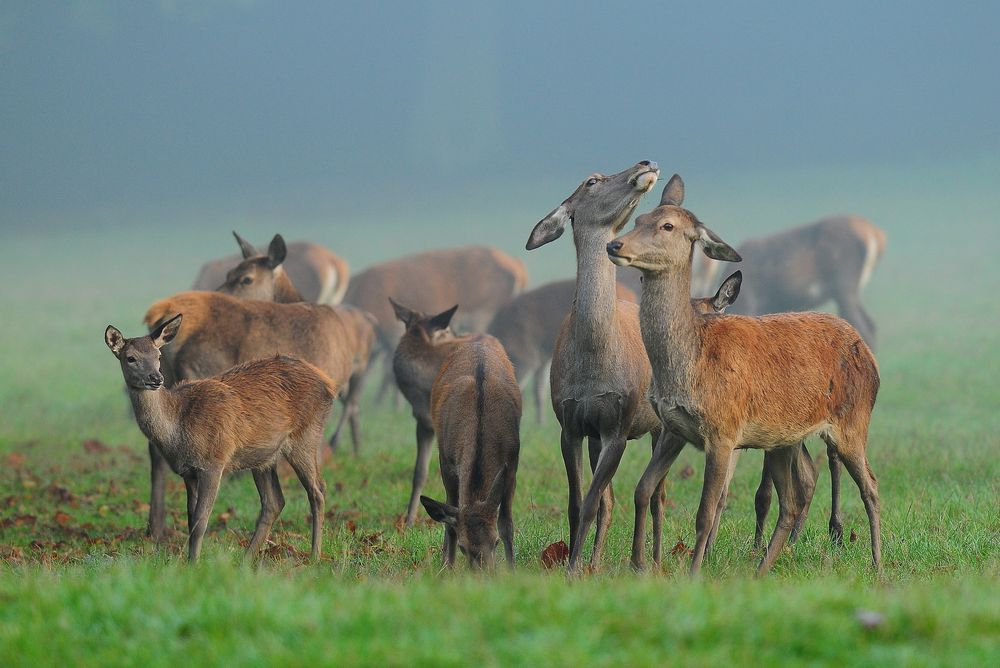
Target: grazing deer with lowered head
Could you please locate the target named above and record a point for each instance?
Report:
(479, 278)
(221, 331)
(261, 276)
(318, 274)
(476, 411)
(727, 382)
(245, 418)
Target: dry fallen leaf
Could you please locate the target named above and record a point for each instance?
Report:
(95, 447)
(15, 460)
(555, 554)
(681, 550)
(687, 472)
(62, 519)
(854, 535)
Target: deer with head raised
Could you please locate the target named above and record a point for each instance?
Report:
(728, 382)
(245, 418)
(476, 412)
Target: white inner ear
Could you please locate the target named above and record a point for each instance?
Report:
(560, 216)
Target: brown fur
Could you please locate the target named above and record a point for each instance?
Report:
(476, 412)
(728, 382)
(221, 331)
(243, 419)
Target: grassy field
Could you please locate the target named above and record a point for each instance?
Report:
(80, 584)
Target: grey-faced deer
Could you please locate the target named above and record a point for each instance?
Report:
(476, 411)
(221, 331)
(801, 268)
(426, 343)
(479, 278)
(318, 274)
(527, 327)
(599, 375)
(726, 382)
(245, 418)
(261, 276)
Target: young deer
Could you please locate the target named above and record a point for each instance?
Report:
(476, 411)
(427, 342)
(245, 418)
(221, 331)
(261, 276)
(727, 382)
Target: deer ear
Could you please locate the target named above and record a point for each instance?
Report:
(673, 192)
(549, 228)
(442, 319)
(440, 512)
(403, 314)
(246, 247)
(715, 247)
(495, 497)
(728, 292)
(115, 339)
(166, 332)
(276, 252)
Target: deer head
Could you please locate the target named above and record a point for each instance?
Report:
(140, 357)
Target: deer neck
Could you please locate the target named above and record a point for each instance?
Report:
(595, 301)
(671, 332)
(156, 412)
(284, 291)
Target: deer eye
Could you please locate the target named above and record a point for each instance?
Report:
(130, 359)
(667, 226)
(592, 181)
(246, 280)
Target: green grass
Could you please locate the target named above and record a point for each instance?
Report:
(80, 584)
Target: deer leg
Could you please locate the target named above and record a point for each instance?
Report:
(781, 462)
(335, 438)
(541, 382)
(425, 441)
(208, 490)
(804, 475)
(157, 525)
(450, 541)
(272, 501)
(668, 446)
(848, 300)
(723, 502)
(836, 520)
(762, 506)
(657, 501)
(505, 524)
(604, 508)
(305, 463)
(717, 460)
(853, 456)
(191, 485)
(572, 453)
(608, 460)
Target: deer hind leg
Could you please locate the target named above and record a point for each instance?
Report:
(572, 453)
(781, 462)
(425, 441)
(208, 489)
(608, 458)
(804, 474)
(657, 502)
(718, 458)
(156, 527)
(836, 519)
(191, 485)
(723, 502)
(762, 506)
(851, 448)
(272, 501)
(666, 449)
(305, 463)
(505, 523)
(355, 389)
(604, 509)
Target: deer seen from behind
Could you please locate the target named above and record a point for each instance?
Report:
(726, 382)
(476, 412)
(245, 418)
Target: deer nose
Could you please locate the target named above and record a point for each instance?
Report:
(614, 246)
(650, 164)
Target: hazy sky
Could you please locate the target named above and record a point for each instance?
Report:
(154, 106)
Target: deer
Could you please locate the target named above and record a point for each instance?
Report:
(222, 331)
(527, 327)
(320, 274)
(245, 418)
(728, 381)
(261, 276)
(479, 278)
(476, 412)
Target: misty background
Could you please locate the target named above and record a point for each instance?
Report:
(136, 135)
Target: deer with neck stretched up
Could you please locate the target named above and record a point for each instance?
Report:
(728, 382)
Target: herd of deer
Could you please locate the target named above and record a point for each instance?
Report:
(260, 349)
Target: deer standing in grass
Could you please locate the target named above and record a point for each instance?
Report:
(728, 382)
(261, 276)
(476, 411)
(245, 418)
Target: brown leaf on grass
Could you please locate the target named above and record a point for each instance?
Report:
(854, 536)
(227, 515)
(681, 550)
(17, 521)
(555, 554)
(11, 553)
(140, 506)
(15, 460)
(686, 472)
(351, 526)
(95, 447)
(62, 495)
(62, 519)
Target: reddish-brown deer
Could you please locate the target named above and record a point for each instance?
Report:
(726, 382)
(245, 418)
(479, 278)
(319, 274)
(476, 412)
(221, 331)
